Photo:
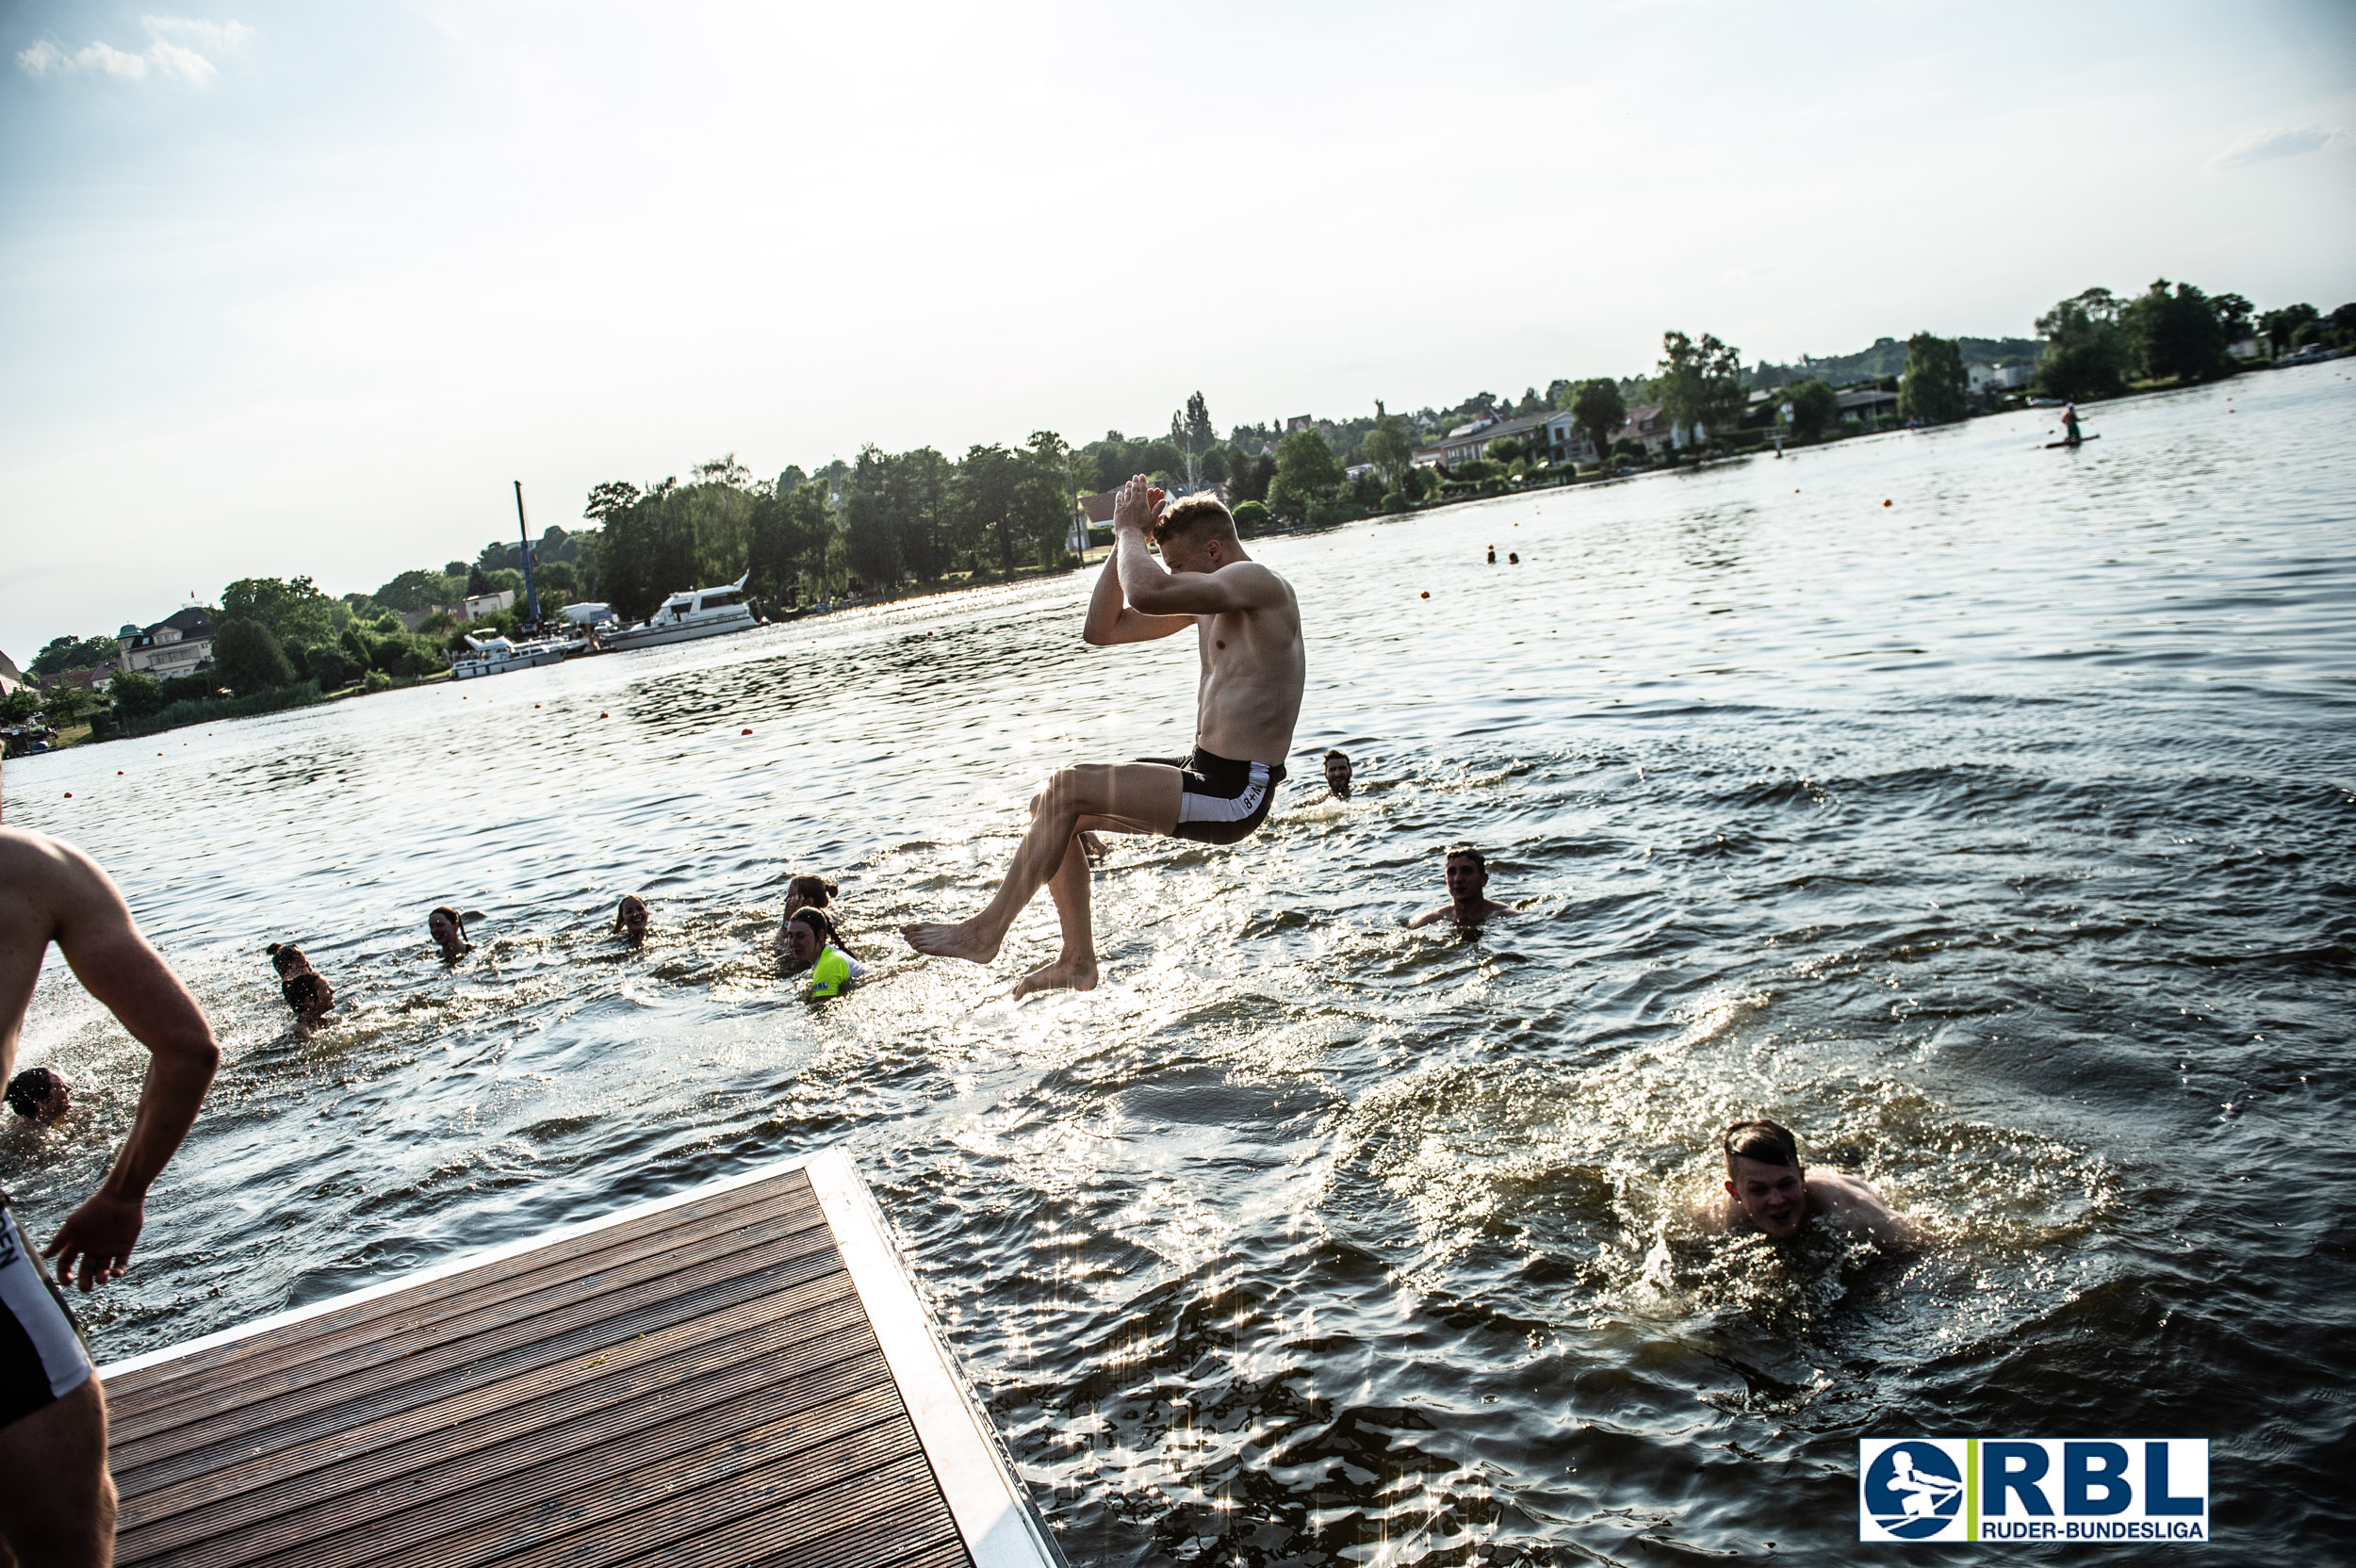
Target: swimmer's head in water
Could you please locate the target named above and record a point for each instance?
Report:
(806, 932)
(1764, 1176)
(1197, 535)
(1467, 874)
(39, 1093)
(630, 916)
(447, 929)
(286, 958)
(1337, 773)
(805, 891)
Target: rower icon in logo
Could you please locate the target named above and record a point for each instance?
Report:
(1912, 1489)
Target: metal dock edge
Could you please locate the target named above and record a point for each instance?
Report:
(737, 1375)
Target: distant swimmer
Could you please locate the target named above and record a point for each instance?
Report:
(58, 1502)
(2069, 424)
(1467, 876)
(448, 930)
(815, 945)
(630, 918)
(1248, 627)
(306, 990)
(1768, 1190)
(1493, 555)
(40, 1094)
(1337, 772)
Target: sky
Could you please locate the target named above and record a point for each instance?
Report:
(291, 288)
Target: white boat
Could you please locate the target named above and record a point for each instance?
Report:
(695, 613)
(497, 655)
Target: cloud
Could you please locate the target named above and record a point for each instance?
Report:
(2260, 146)
(163, 57)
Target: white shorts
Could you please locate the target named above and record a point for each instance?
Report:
(42, 1359)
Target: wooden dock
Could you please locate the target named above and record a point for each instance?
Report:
(740, 1375)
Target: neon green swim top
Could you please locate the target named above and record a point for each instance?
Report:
(833, 971)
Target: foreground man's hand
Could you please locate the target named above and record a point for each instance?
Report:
(98, 1237)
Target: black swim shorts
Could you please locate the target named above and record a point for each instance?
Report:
(1223, 802)
(41, 1358)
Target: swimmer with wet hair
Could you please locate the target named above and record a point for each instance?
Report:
(630, 918)
(448, 930)
(805, 890)
(1466, 874)
(812, 943)
(1767, 1189)
(1337, 772)
(40, 1094)
(306, 990)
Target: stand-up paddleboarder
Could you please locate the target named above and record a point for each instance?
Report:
(57, 1501)
(2069, 424)
(1248, 624)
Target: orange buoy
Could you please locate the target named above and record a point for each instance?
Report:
(118, 772)
(749, 732)
(1885, 503)
(1427, 593)
(68, 795)
(604, 715)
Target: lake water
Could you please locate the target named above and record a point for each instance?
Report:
(2002, 840)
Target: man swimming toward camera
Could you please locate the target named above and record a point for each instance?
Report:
(1248, 627)
(1768, 1190)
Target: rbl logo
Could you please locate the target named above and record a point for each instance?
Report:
(2032, 1489)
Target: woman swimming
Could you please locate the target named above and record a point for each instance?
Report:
(814, 945)
(448, 930)
(630, 918)
(306, 990)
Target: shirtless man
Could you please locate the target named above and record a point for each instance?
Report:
(1768, 1190)
(59, 1503)
(1467, 876)
(1248, 627)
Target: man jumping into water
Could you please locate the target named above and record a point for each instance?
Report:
(1248, 625)
(57, 1505)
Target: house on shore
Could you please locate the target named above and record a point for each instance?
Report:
(180, 643)
(1565, 442)
(1471, 440)
(11, 678)
(1866, 405)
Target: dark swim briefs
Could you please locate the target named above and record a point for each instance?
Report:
(1223, 802)
(41, 1357)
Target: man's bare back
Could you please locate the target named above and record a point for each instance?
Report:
(1246, 624)
(58, 1505)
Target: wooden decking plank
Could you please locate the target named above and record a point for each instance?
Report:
(690, 1452)
(902, 1508)
(490, 1327)
(406, 1412)
(947, 1554)
(275, 1360)
(581, 1329)
(770, 1381)
(793, 1185)
(649, 1509)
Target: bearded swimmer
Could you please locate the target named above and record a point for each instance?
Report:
(1248, 627)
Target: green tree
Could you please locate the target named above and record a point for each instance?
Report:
(20, 705)
(1389, 446)
(136, 693)
(990, 503)
(1306, 470)
(247, 658)
(1935, 388)
(1597, 408)
(72, 653)
(66, 705)
(2086, 354)
(2234, 316)
(1250, 516)
(1814, 407)
(2287, 327)
(418, 591)
(1700, 384)
(2176, 335)
(1048, 500)
(294, 610)
(1192, 432)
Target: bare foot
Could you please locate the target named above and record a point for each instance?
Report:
(1093, 847)
(1065, 973)
(960, 940)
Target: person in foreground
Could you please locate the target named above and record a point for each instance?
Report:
(1248, 627)
(814, 943)
(1467, 876)
(57, 1501)
(1768, 1190)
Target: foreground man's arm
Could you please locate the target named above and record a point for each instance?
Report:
(95, 930)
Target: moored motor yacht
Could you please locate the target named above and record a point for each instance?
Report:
(497, 655)
(685, 615)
